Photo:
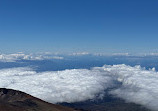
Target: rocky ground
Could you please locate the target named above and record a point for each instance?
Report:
(12, 100)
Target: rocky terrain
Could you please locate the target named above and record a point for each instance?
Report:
(12, 100)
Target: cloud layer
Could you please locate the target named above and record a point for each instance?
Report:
(61, 86)
(136, 84)
(21, 56)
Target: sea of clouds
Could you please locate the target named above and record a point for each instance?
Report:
(14, 57)
(21, 56)
(137, 84)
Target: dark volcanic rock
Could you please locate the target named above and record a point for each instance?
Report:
(12, 100)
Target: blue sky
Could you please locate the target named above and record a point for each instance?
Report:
(102, 26)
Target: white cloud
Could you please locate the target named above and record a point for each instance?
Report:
(137, 84)
(151, 54)
(120, 54)
(57, 57)
(57, 86)
(79, 53)
(22, 56)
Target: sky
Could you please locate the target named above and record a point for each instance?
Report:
(95, 26)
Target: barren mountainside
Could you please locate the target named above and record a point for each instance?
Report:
(12, 100)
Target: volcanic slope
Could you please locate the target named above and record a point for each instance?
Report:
(12, 100)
